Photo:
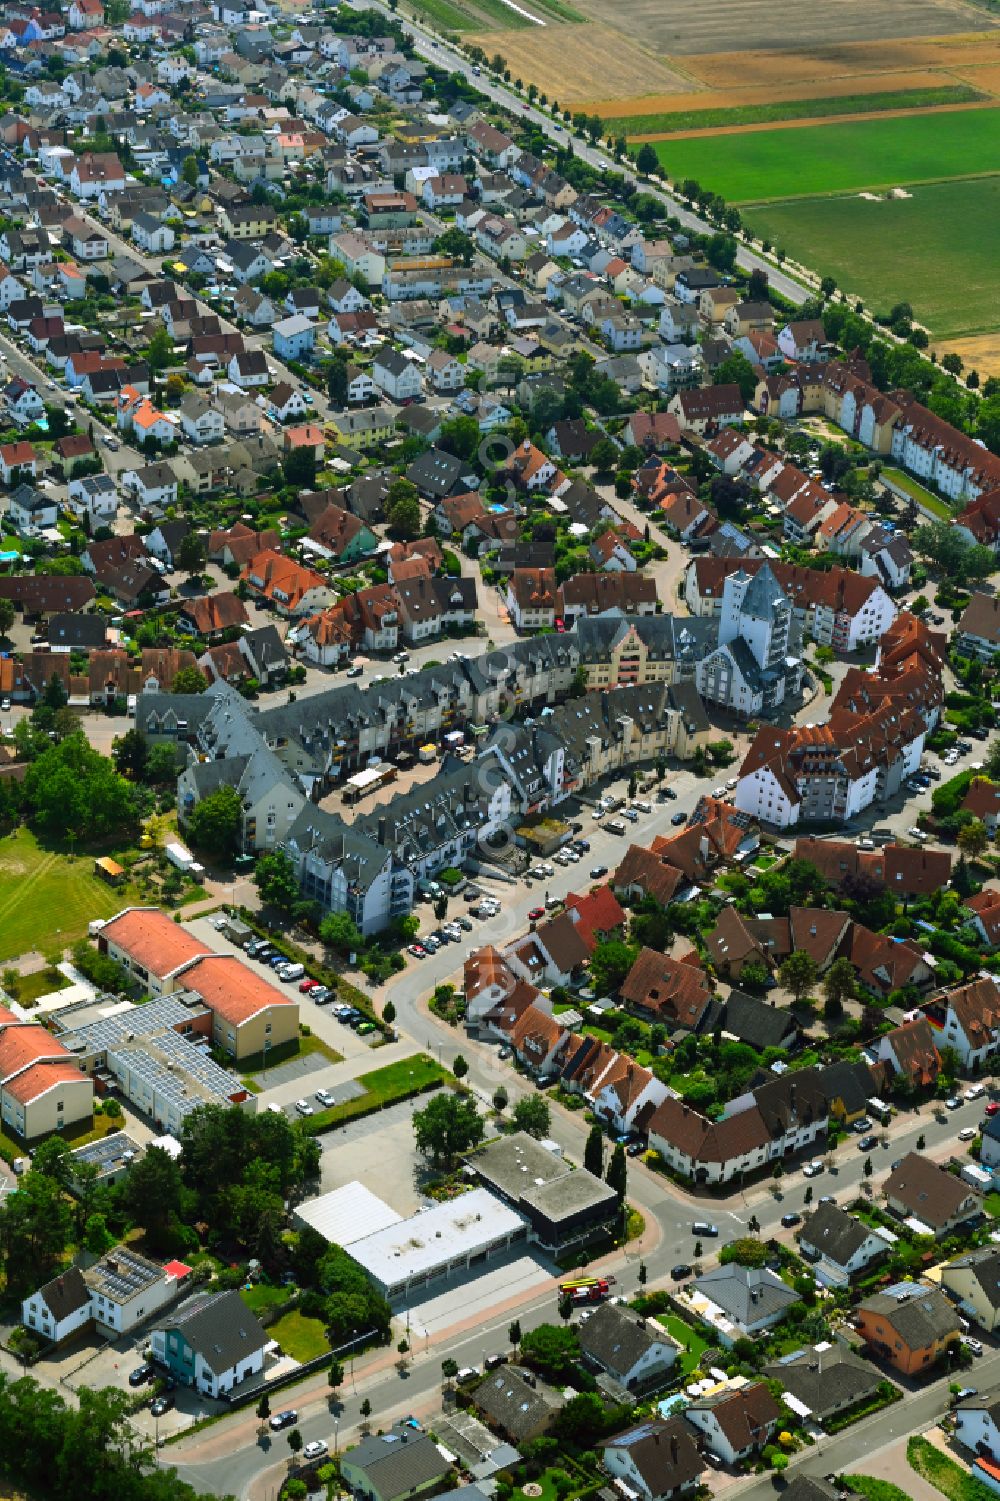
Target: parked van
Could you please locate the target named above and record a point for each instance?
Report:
(290, 972)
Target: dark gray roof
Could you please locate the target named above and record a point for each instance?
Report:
(664, 1453)
(617, 1337)
(834, 1232)
(399, 1462)
(826, 1379)
(435, 473)
(83, 631)
(221, 1329)
(813, 1488)
(754, 1022)
(921, 1317)
(519, 1409)
(746, 1294)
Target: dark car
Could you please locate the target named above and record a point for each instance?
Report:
(160, 1405)
(680, 1271)
(141, 1374)
(598, 871)
(678, 819)
(867, 1143)
(286, 1419)
(582, 846)
(668, 792)
(788, 1220)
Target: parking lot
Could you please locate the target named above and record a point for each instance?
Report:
(379, 1152)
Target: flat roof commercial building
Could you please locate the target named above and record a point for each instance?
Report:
(435, 1243)
(563, 1206)
(347, 1214)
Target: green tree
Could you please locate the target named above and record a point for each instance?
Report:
(532, 1114)
(839, 983)
(447, 1126)
(737, 370)
(191, 553)
(161, 765)
(604, 455)
(36, 1223)
(215, 824)
(609, 964)
(72, 789)
(402, 509)
(551, 1350)
(460, 1067)
(456, 243)
(617, 1174)
(299, 468)
(388, 1013)
(190, 680)
(514, 1333)
(593, 1152)
(339, 931)
(189, 171)
(744, 1252)
(647, 161)
(335, 1374)
(159, 350)
(972, 838)
(130, 753)
(798, 973)
(500, 1099)
(151, 1194)
(7, 616)
(276, 880)
(295, 1440)
(449, 1370)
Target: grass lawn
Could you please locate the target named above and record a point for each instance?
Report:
(875, 1490)
(789, 109)
(840, 158)
(692, 1342)
(945, 1475)
(902, 248)
(992, 1205)
(382, 1086)
(300, 1337)
(297, 1047)
(916, 491)
(46, 898)
(262, 1295)
(31, 988)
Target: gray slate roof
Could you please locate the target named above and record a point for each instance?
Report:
(747, 1294)
(221, 1329)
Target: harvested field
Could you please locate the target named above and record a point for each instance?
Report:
(979, 351)
(851, 106)
(759, 165)
(576, 63)
(623, 111)
(689, 27)
(908, 248)
(777, 69)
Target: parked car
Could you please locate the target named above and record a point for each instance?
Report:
(161, 1404)
(680, 1271)
(678, 819)
(141, 1374)
(309, 985)
(315, 1449)
(303, 1107)
(597, 871)
(952, 1102)
(417, 950)
(813, 1169)
(967, 1133)
(536, 913)
(286, 1419)
(867, 1143)
(325, 1098)
(790, 1219)
(321, 997)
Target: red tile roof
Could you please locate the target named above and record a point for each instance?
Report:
(152, 939)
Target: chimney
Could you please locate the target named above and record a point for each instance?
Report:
(381, 830)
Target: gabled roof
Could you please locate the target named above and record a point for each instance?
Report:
(927, 1191)
(153, 940)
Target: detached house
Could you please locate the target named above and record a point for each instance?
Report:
(657, 1460)
(531, 597)
(839, 1245)
(909, 1326)
(213, 1343)
(636, 1351)
(922, 1192)
(735, 1424)
(973, 1281)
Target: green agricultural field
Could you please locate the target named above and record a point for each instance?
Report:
(47, 899)
(800, 162)
(637, 126)
(937, 249)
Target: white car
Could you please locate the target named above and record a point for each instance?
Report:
(813, 1169)
(916, 833)
(974, 1092)
(325, 1098)
(315, 1449)
(967, 1133)
(303, 1107)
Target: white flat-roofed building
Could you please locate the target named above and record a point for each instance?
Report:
(347, 1214)
(436, 1242)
